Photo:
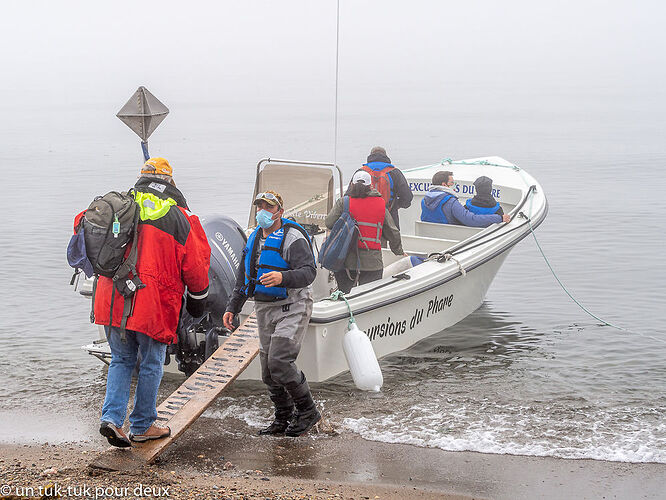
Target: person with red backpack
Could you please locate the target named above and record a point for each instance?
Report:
(172, 254)
(364, 263)
(389, 181)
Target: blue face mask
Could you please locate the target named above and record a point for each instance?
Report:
(265, 219)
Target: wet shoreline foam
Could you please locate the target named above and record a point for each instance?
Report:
(216, 455)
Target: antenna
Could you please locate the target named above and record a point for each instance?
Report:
(335, 114)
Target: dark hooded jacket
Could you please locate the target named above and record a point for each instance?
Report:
(483, 198)
(401, 195)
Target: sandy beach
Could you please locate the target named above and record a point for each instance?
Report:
(207, 463)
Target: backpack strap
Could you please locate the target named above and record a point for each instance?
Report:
(127, 311)
(357, 275)
(129, 264)
(92, 307)
(123, 272)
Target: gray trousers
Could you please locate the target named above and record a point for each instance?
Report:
(282, 326)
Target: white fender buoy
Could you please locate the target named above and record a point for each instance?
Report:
(362, 360)
(402, 265)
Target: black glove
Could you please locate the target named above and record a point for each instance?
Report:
(195, 307)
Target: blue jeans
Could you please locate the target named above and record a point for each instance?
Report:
(123, 361)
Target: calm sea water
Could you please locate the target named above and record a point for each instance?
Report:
(528, 373)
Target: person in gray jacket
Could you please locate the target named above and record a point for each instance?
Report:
(440, 204)
(277, 270)
(364, 263)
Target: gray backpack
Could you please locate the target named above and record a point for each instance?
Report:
(109, 226)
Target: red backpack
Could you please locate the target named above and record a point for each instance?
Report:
(381, 181)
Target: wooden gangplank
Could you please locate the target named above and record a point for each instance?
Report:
(191, 399)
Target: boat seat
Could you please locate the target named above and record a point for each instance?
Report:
(421, 245)
(445, 231)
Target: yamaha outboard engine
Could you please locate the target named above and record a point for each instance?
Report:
(198, 338)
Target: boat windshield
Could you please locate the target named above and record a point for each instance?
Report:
(307, 191)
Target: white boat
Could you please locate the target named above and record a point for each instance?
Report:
(405, 306)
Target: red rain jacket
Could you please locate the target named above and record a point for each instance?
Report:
(173, 253)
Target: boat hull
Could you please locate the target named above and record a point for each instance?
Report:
(394, 327)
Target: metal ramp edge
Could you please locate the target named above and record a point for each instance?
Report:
(190, 400)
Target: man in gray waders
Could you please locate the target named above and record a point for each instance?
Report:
(277, 270)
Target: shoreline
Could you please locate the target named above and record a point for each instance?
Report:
(225, 459)
(46, 470)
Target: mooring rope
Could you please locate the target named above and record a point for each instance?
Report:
(339, 295)
(448, 256)
(605, 323)
(449, 161)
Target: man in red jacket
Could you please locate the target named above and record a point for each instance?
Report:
(173, 253)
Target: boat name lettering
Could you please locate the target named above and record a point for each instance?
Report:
(391, 328)
(388, 329)
(308, 214)
(470, 190)
(458, 188)
(419, 186)
(436, 305)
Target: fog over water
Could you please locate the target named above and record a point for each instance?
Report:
(575, 93)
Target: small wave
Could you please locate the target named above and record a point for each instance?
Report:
(637, 440)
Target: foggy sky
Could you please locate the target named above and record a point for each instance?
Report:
(74, 51)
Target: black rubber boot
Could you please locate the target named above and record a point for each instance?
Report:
(307, 414)
(284, 411)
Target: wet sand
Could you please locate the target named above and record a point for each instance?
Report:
(46, 471)
(224, 459)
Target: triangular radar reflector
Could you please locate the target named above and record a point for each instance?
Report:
(143, 112)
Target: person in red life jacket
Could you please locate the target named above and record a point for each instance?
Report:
(440, 204)
(367, 207)
(389, 181)
(483, 201)
(173, 254)
(277, 269)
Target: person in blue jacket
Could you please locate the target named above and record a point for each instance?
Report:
(441, 205)
(483, 201)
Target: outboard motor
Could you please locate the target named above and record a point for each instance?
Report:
(198, 338)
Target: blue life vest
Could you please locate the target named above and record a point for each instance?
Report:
(436, 214)
(270, 260)
(481, 210)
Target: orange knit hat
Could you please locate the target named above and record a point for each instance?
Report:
(157, 166)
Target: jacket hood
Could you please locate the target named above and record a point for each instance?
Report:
(378, 157)
(483, 187)
(161, 189)
(433, 197)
